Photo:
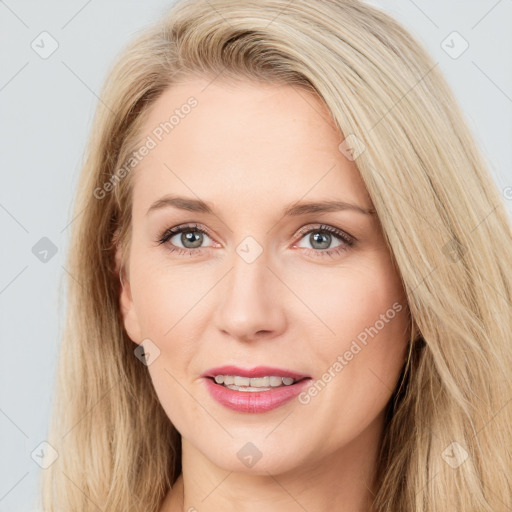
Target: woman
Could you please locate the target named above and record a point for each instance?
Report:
(215, 356)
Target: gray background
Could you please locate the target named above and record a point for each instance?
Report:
(46, 108)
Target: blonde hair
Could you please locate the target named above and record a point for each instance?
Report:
(442, 217)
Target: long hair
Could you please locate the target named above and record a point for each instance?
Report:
(447, 441)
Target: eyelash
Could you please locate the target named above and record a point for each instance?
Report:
(347, 240)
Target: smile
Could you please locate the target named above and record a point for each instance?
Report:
(249, 399)
(266, 383)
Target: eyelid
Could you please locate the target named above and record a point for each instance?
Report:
(328, 228)
(347, 239)
(170, 232)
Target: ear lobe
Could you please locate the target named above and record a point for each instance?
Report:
(126, 304)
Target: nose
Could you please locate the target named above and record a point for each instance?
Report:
(251, 301)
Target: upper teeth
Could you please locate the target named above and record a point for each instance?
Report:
(255, 382)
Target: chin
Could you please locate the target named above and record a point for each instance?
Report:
(255, 457)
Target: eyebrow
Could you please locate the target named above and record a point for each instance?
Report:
(294, 209)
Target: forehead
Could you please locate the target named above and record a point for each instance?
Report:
(218, 139)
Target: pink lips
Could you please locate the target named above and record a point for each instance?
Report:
(258, 371)
(254, 401)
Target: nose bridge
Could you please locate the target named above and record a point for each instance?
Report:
(249, 303)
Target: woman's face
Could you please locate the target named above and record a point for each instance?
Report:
(312, 291)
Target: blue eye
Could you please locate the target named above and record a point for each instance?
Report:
(322, 235)
(188, 236)
(192, 238)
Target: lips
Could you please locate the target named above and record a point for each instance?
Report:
(250, 400)
(254, 401)
(258, 371)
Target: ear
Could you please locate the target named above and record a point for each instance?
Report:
(126, 304)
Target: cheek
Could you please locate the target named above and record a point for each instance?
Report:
(163, 295)
(164, 300)
(350, 300)
(362, 339)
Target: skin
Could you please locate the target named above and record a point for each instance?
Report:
(252, 149)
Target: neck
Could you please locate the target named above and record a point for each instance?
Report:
(342, 481)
